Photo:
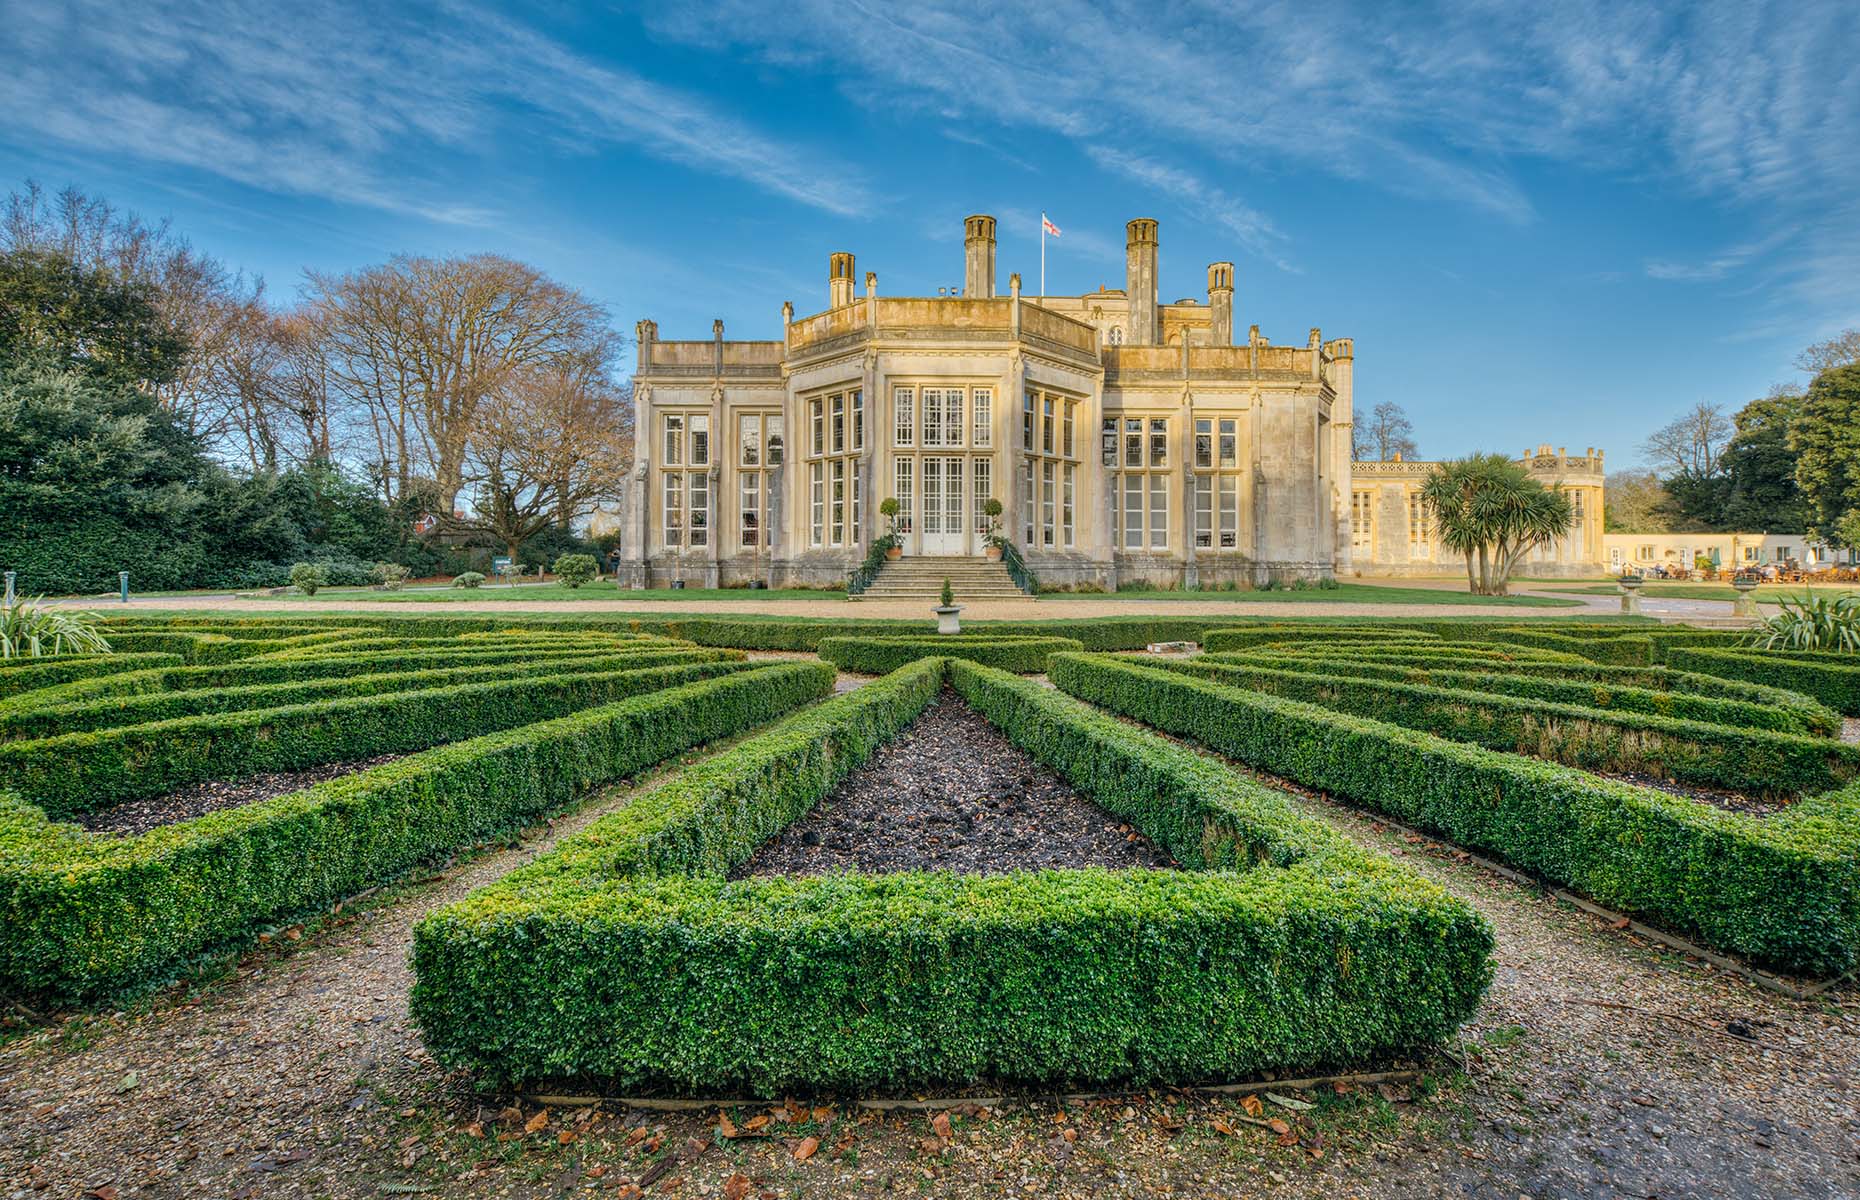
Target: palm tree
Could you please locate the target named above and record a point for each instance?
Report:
(1488, 508)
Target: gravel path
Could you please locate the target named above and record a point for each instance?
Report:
(140, 816)
(951, 793)
(1598, 1066)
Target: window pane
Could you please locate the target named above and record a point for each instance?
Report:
(1159, 512)
(839, 424)
(1065, 514)
(1230, 512)
(933, 416)
(984, 472)
(1229, 444)
(858, 420)
(749, 440)
(817, 496)
(700, 507)
(1204, 512)
(816, 419)
(700, 441)
(674, 441)
(774, 427)
(983, 433)
(933, 496)
(1046, 425)
(837, 530)
(1159, 442)
(1046, 504)
(1133, 442)
(1066, 443)
(1026, 500)
(1133, 512)
(1026, 422)
(751, 509)
(906, 494)
(904, 408)
(674, 509)
(952, 416)
(952, 495)
(1204, 443)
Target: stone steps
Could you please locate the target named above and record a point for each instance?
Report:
(921, 577)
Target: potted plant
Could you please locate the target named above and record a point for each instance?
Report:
(889, 510)
(947, 610)
(991, 509)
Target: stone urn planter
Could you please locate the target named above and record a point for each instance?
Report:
(946, 615)
(992, 552)
(1630, 594)
(1746, 603)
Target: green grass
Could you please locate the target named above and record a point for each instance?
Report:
(1343, 593)
(603, 590)
(1675, 590)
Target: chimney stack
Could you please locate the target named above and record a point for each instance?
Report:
(978, 256)
(839, 279)
(1140, 279)
(1221, 302)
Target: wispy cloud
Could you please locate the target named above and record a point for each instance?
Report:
(336, 100)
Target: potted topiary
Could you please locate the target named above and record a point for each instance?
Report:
(947, 611)
(889, 510)
(991, 508)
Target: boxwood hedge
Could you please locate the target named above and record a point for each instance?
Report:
(29, 674)
(628, 955)
(1759, 761)
(879, 656)
(86, 916)
(1830, 680)
(77, 772)
(1783, 890)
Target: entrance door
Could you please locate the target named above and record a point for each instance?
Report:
(943, 529)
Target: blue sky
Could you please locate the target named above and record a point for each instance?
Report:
(1560, 223)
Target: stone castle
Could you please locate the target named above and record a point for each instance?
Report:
(1127, 440)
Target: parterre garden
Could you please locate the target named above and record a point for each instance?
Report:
(1675, 775)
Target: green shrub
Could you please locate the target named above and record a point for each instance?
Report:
(1783, 890)
(20, 676)
(390, 577)
(468, 579)
(618, 955)
(1760, 761)
(1813, 622)
(79, 772)
(1834, 683)
(576, 569)
(85, 917)
(307, 577)
(879, 656)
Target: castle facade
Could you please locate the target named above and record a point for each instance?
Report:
(1126, 439)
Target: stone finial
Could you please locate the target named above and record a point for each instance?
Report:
(716, 328)
(1221, 303)
(839, 279)
(978, 257)
(1014, 285)
(787, 312)
(871, 283)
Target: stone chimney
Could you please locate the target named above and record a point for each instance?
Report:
(839, 279)
(978, 257)
(1221, 303)
(1140, 279)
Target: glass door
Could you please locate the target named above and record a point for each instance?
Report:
(943, 528)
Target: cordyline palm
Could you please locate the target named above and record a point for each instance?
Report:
(1491, 510)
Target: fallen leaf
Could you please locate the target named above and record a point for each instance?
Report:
(806, 1149)
(822, 1115)
(756, 1122)
(725, 1125)
(565, 1137)
(1221, 1126)
(106, 1192)
(940, 1123)
(128, 1081)
(536, 1122)
(736, 1187)
(1621, 924)
(657, 1171)
(475, 1129)
(1288, 1102)
(1279, 1127)
(1251, 1104)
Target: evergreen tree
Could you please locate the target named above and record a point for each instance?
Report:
(1826, 439)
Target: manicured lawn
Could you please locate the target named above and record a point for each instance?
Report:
(1713, 591)
(1343, 593)
(603, 590)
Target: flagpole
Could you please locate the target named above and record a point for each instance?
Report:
(1042, 254)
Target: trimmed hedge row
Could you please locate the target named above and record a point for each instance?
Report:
(1558, 687)
(84, 917)
(627, 955)
(205, 646)
(1240, 639)
(169, 704)
(29, 674)
(1625, 649)
(1759, 761)
(1783, 890)
(79, 772)
(1834, 683)
(879, 656)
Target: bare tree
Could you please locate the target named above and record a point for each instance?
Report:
(422, 343)
(1838, 351)
(1388, 432)
(544, 450)
(1691, 445)
(276, 383)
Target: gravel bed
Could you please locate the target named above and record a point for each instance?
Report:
(951, 793)
(1756, 806)
(197, 800)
